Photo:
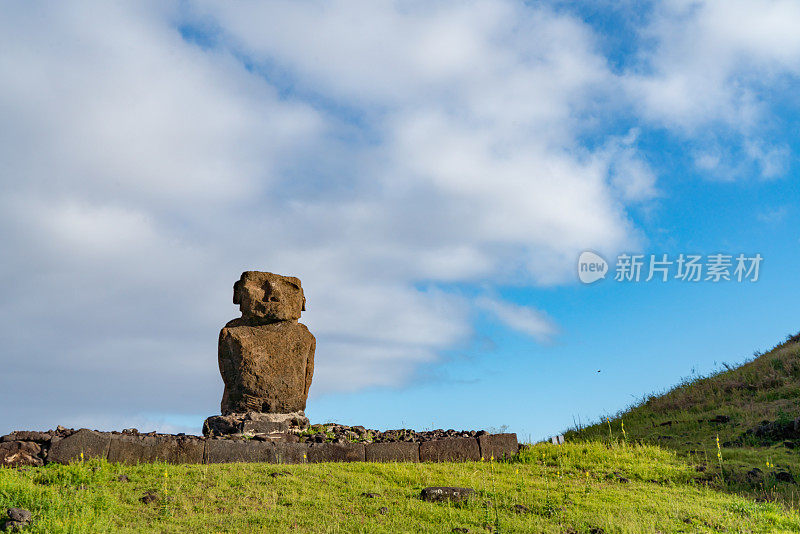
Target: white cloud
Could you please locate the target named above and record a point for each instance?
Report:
(773, 216)
(476, 107)
(631, 176)
(529, 321)
(709, 70)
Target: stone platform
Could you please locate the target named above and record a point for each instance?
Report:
(30, 448)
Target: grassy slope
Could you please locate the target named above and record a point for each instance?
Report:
(764, 389)
(581, 487)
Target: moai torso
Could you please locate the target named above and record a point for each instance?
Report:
(266, 357)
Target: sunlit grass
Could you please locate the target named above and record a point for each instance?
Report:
(765, 388)
(574, 487)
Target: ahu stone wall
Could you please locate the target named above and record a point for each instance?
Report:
(64, 446)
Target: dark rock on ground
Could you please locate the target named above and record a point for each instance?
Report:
(19, 514)
(18, 519)
(446, 493)
(383, 510)
(150, 497)
(776, 431)
(784, 476)
(521, 509)
(720, 419)
(755, 474)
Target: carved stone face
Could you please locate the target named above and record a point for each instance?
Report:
(267, 298)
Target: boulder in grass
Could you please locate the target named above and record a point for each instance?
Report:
(446, 494)
(18, 518)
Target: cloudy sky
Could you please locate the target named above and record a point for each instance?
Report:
(430, 170)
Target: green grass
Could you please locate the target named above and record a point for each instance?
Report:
(661, 475)
(766, 388)
(577, 487)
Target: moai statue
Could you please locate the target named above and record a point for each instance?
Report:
(266, 357)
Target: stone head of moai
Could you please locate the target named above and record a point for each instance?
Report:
(265, 298)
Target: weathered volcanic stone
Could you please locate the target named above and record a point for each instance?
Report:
(266, 368)
(222, 425)
(89, 442)
(291, 453)
(18, 519)
(498, 446)
(169, 449)
(253, 423)
(336, 452)
(450, 450)
(392, 452)
(19, 514)
(267, 297)
(20, 453)
(28, 435)
(444, 494)
(221, 451)
(182, 450)
(264, 427)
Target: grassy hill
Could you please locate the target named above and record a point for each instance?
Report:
(575, 488)
(754, 411)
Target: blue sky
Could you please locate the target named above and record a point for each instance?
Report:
(431, 171)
